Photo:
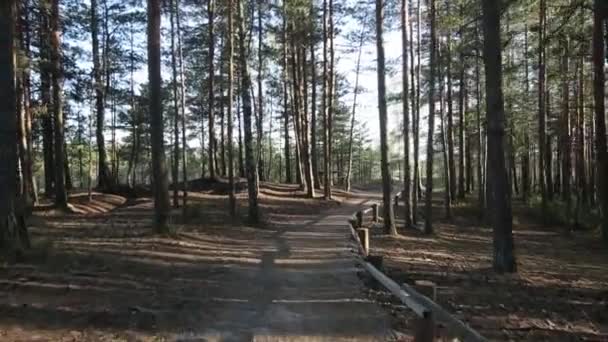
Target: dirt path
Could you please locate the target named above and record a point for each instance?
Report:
(108, 277)
(304, 289)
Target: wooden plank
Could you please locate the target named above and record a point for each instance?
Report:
(453, 325)
(395, 289)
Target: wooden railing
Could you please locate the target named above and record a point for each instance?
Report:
(429, 313)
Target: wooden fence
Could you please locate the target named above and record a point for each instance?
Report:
(429, 313)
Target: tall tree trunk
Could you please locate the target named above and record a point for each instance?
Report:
(25, 122)
(565, 133)
(61, 197)
(326, 104)
(581, 169)
(354, 110)
(599, 17)
(461, 118)
(541, 111)
(416, 193)
(45, 85)
(313, 100)
(211, 94)
(175, 169)
(104, 178)
(407, 189)
(13, 233)
(159, 168)
(183, 110)
(260, 116)
(450, 125)
(444, 145)
(251, 169)
(288, 177)
(389, 218)
(480, 189)
(525, 174)
(499, 200)
(238, 117)
(230, 42)
(428, 217)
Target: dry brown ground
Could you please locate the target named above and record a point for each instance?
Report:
(101, 274)
(560, 292)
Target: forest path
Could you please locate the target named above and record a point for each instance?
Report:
(305, 288)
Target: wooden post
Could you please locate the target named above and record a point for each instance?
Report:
(364, 238)
(375, 211)
(359, 222)
(425, 328)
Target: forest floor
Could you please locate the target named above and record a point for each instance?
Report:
(99, 273)
(560, 292)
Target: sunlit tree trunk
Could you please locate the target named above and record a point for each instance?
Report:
(160, 180)
(389, 219)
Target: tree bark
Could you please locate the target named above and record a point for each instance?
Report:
(542, 140)
(354, 110)
(105, 181)
(499, 195)
(211, 94)
(61, 197)
(230, 42)
(159, 169)
(13, 232)
(428, 217)
(407, 189)
(45, 85)
(599, 17)
(389, 219)
(251, 169)
(175, 169)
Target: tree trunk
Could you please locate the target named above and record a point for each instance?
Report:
(389, 219)
(313, 101)
(104, 178)
(231, 191)
(462, 139)
(175, 168)
(407, 189)
(542, 112)
(45, 85)
(13, 232)
(61, 197)
(525, 174)
(210, 99)
(159, 170)
(251, 169)
(260, 116)
(444, 145)
(499, 200)
(599, 18)
(288, 177)
(480, 188)
(326, 104)
(352, 118)
(183, 110)
(565, 129)
(450, 123)
(416, 193)
(428, 217)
